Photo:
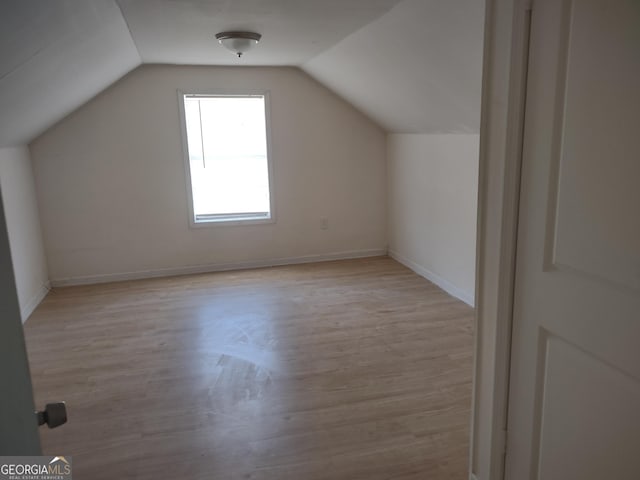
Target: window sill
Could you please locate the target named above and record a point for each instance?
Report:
(231, 220)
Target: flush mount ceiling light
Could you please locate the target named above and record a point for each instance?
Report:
(238, 42)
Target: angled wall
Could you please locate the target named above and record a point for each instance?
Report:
(113, 195)
(416, 69)
(54, 57)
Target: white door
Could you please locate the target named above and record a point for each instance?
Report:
(18, 424)
(574, 404)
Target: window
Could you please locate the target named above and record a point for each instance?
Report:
(227, 157)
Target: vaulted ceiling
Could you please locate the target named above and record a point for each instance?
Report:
(416, 69)
(411, 65)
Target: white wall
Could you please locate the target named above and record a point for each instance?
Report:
(23, 226)
(112, 190)
(433, 185)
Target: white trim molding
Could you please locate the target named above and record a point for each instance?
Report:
(443, 283)
(215, 267)
(27, 308)
(503, 95)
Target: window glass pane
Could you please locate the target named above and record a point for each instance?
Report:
(227, 143)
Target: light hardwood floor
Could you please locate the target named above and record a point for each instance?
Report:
(354, 369)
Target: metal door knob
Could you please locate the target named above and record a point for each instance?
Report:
(54, 415)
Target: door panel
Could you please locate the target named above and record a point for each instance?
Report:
(575, 366)
(583, 395)
(18, 425)
(598, 225)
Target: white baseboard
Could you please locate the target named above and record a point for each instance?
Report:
(215, 267)
(447, 286)
(27, 308)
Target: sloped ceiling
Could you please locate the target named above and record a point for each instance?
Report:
(411, 65)
(417, 69)
(54, 56)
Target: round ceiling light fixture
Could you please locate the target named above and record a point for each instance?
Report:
(238, 42)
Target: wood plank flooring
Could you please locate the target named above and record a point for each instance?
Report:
(354, 369)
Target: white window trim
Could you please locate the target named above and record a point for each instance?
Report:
(187, 168)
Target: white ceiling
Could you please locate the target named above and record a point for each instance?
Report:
(411, 65)
(54, 56)
(294, 31)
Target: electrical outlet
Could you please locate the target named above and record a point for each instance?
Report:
(324, 223)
